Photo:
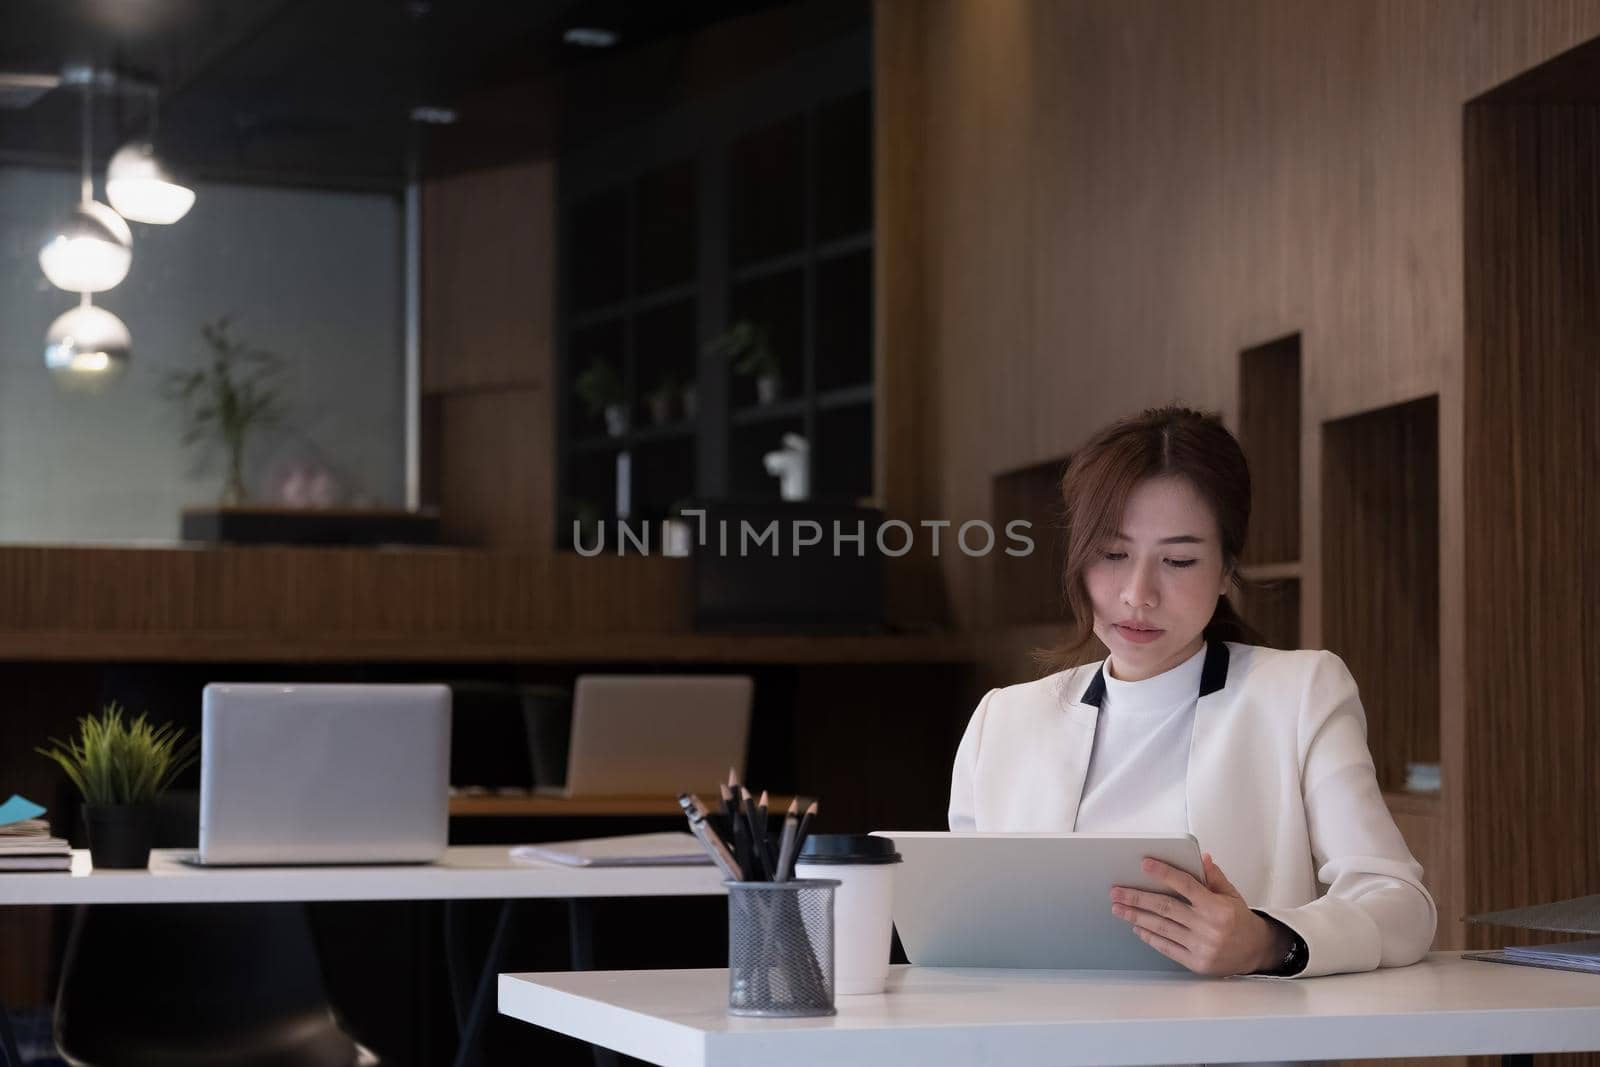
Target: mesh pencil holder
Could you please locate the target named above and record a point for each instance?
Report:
(780, 947)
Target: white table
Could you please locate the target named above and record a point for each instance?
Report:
(471, 872)
(1443, 1006)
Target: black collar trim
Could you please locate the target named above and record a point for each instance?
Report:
(1213, 676)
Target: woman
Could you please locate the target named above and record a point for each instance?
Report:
(1187, 727)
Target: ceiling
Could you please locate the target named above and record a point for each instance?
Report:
(311, 92)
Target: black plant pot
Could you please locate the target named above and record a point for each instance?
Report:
(119, 834)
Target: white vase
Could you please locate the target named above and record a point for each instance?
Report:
(616, 420)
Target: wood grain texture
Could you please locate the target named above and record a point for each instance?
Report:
(1269, 433)
(495, 478)
(612, 646)
(904, 417)
(1120, 196)
(1273, 607)
(309, 594)
(1532, 760)
(488, 278)
(1380, 575)
(1028, 588)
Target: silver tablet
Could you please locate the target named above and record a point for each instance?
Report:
(1027, 900)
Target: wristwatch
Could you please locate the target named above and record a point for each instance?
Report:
(1294, 960)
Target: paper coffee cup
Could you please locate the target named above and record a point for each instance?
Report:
(862, 922)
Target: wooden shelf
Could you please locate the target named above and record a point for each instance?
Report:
(534, 804)
(1424, 805)
(1272, 572)
(845, 396)
(779, 409)
(268, 647)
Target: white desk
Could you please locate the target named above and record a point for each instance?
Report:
(472, 872)
(1443, 1006)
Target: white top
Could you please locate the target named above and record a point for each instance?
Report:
(1141, 754)
(1444, 1006)
(465, 873)
(1280, 790)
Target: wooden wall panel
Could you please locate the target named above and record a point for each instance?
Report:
(496, 478)
(1269, 432)
(1532, 760)
(1380, 575)
(306, 593)
(1120, 195)
(488, 278)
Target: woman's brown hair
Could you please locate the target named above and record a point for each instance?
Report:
(1160, 442)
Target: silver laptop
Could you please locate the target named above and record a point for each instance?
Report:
(656, 734)
(324, 773)
(1027, 900)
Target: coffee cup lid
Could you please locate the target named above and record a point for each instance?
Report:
(848, 848)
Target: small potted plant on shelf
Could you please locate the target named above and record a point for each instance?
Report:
(600, 389)
(227, 401)
(750, 349)
(663, 400)
(121, 766)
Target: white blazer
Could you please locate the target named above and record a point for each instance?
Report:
(1281, 791)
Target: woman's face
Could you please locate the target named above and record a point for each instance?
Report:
(1156, 582)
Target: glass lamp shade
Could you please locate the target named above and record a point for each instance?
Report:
(90, 251)
(87, 345)
(141, 187)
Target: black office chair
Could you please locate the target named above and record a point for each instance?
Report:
(185, 984)
(152, 984)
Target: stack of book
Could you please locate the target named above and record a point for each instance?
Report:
(26, 845)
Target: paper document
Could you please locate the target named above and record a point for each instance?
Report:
(635, 850)
(1579, 955)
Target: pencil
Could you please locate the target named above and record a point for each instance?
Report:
(786, 845)
(805, 827)
(758, 834)
(741, 839)
(764, 842)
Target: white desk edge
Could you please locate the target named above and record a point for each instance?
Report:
(1444, 1006)
(469, 872)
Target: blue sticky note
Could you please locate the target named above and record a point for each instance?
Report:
(18, 808)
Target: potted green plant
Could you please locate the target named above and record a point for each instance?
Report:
(228, 400)
(121, 766)
(600, 389)
(749, 348)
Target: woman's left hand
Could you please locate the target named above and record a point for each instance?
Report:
(1214, 933)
